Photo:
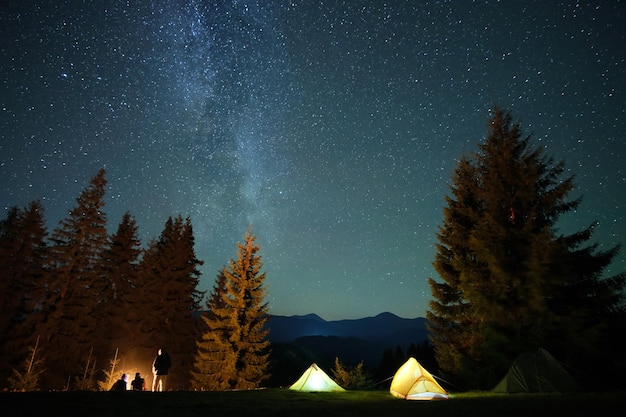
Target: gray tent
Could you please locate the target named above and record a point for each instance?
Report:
(536, 371)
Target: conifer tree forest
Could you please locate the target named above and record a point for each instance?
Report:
(82, 306)
(510, 281)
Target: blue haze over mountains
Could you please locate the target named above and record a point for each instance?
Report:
(352, 341)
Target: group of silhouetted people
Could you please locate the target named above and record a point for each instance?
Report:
(160, 367)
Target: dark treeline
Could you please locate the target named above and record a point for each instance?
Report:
(81, 306)
(392, 359)
(87, 305)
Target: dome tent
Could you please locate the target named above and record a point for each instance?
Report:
(315, 379)
(536, 371)
(413, 382)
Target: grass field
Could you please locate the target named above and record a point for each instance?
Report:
(283, 403)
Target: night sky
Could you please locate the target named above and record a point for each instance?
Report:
(330, 127)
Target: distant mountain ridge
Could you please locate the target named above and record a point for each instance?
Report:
(383, 327)
(352, 341)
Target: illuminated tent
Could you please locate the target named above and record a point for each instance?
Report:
(413, 382)
(314, 379)
(536, 371)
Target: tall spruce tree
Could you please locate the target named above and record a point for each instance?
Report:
(123, 298)
(23, 257)
(510, 282)
(234, 351)
(75, 284)
(170, 278)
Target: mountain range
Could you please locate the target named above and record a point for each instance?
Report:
(309, 338)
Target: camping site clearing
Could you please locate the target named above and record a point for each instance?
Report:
(284, 402)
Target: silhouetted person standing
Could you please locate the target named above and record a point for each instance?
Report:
(138, 384)
(160, 368)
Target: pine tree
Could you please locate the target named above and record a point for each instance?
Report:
(112, 373)
(28, 376)
(233, 352)
(75, 285)
(10, 294)
(216, 357)
(452, 327)
(22, 253)
(590, 309)
(351, 377)
(507, 275)
(170, 277)
(84, 380)
(124, 296)
(23, 257)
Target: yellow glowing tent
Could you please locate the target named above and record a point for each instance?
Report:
(413, 382)
(314, 379)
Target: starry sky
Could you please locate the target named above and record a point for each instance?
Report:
(330, 127)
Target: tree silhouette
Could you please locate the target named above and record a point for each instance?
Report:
(73, 307)
(23, 257)
(170, 278)
(27, 378)
(123, 298)
(84, 294)
(510, 282)
(233, 352)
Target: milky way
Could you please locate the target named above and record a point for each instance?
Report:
(331, 128)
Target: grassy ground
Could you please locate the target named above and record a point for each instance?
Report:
(283, 403)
